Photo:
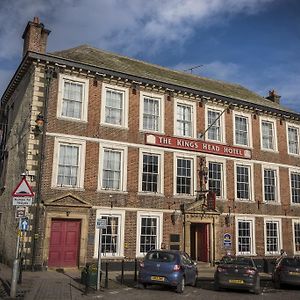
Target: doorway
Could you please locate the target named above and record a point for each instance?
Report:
(64, 243)
(200, 246)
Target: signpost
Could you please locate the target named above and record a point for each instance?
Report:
(100, 224)
(21, 196)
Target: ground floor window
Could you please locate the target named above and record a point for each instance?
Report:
(245, 236)
(272, 237)
(149, 232)
(296, 225)
(112, 236)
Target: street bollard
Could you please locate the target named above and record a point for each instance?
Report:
(122, 272)
(106, 275)
(87, 279)
(135, 270)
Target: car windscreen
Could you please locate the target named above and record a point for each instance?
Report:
(291, 262)
(160, 256)
(240, 261)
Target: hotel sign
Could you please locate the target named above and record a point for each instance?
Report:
(197, 146)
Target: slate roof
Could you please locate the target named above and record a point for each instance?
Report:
(111, 61)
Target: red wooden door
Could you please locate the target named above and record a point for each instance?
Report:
(202, 242)
(64, 243)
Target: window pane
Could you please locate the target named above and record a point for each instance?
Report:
(267, 135)
(72, 99)
(151, 114)
(184, 176)
(214, 125)
(244, 236)
(272, 237)
(295, 184)
(68, 165)
(184, 120)
(241, 130)
(215, 178)
(270, 185)
(110, 236)
(297, 236)
(111, 169)
(149, 232)
(114, 107)
(243, 182)
(150, 173)
(293, 139)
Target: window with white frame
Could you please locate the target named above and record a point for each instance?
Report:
(149, 232)
(113, 235)
(272, 237)
(152, 113)
(73, 97)
(293, 140)
(184, 125)
(215, 174)
(151, 173)
(241, 130)
(184, 176)
(68, 170)
(112, 166)
(270, 185)
(114, 105)
(295, 187)
(214, 125)
(243, 182)
(296, 225)
(245, 236)
(268, 135)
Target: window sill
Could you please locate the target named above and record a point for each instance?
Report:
(184, 196)
(246, 254)
(69, 119)
(107, 191)
(121, 127)
(271, 203)
(151, 131)
(270, 150)
(150, 194)
(65, 188)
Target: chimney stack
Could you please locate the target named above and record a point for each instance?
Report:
(274, 97)
(35, 37)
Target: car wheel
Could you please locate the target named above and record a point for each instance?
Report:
(194, 283)
(180, 286)
(277, 284)
(257, 290)
(216, 286)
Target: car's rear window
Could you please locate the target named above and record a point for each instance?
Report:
(291, 262)
(241, 261)
(160, 256)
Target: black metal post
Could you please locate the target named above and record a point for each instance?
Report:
(122, 272)
(106, 275)
(135, 270)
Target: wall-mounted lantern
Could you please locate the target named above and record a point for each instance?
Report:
(39, 124)
(176, 216)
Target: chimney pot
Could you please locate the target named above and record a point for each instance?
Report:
(273, 97)
(35, 37)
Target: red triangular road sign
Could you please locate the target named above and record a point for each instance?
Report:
(23, 189)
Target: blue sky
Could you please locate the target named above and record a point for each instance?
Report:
(255, 43)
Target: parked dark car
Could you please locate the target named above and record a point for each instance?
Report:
(236, 272)
(287, 271)
(168, 267)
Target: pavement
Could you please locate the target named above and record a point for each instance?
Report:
(65, 283)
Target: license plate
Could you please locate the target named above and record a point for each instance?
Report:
(157, 278)
(294, 273)
(236, 281)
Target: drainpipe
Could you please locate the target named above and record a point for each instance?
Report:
(42, 139)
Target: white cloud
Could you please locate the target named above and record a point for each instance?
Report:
(130, 25)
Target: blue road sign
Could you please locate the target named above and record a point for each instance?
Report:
(24, 224)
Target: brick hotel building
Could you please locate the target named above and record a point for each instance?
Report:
(150, 150)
